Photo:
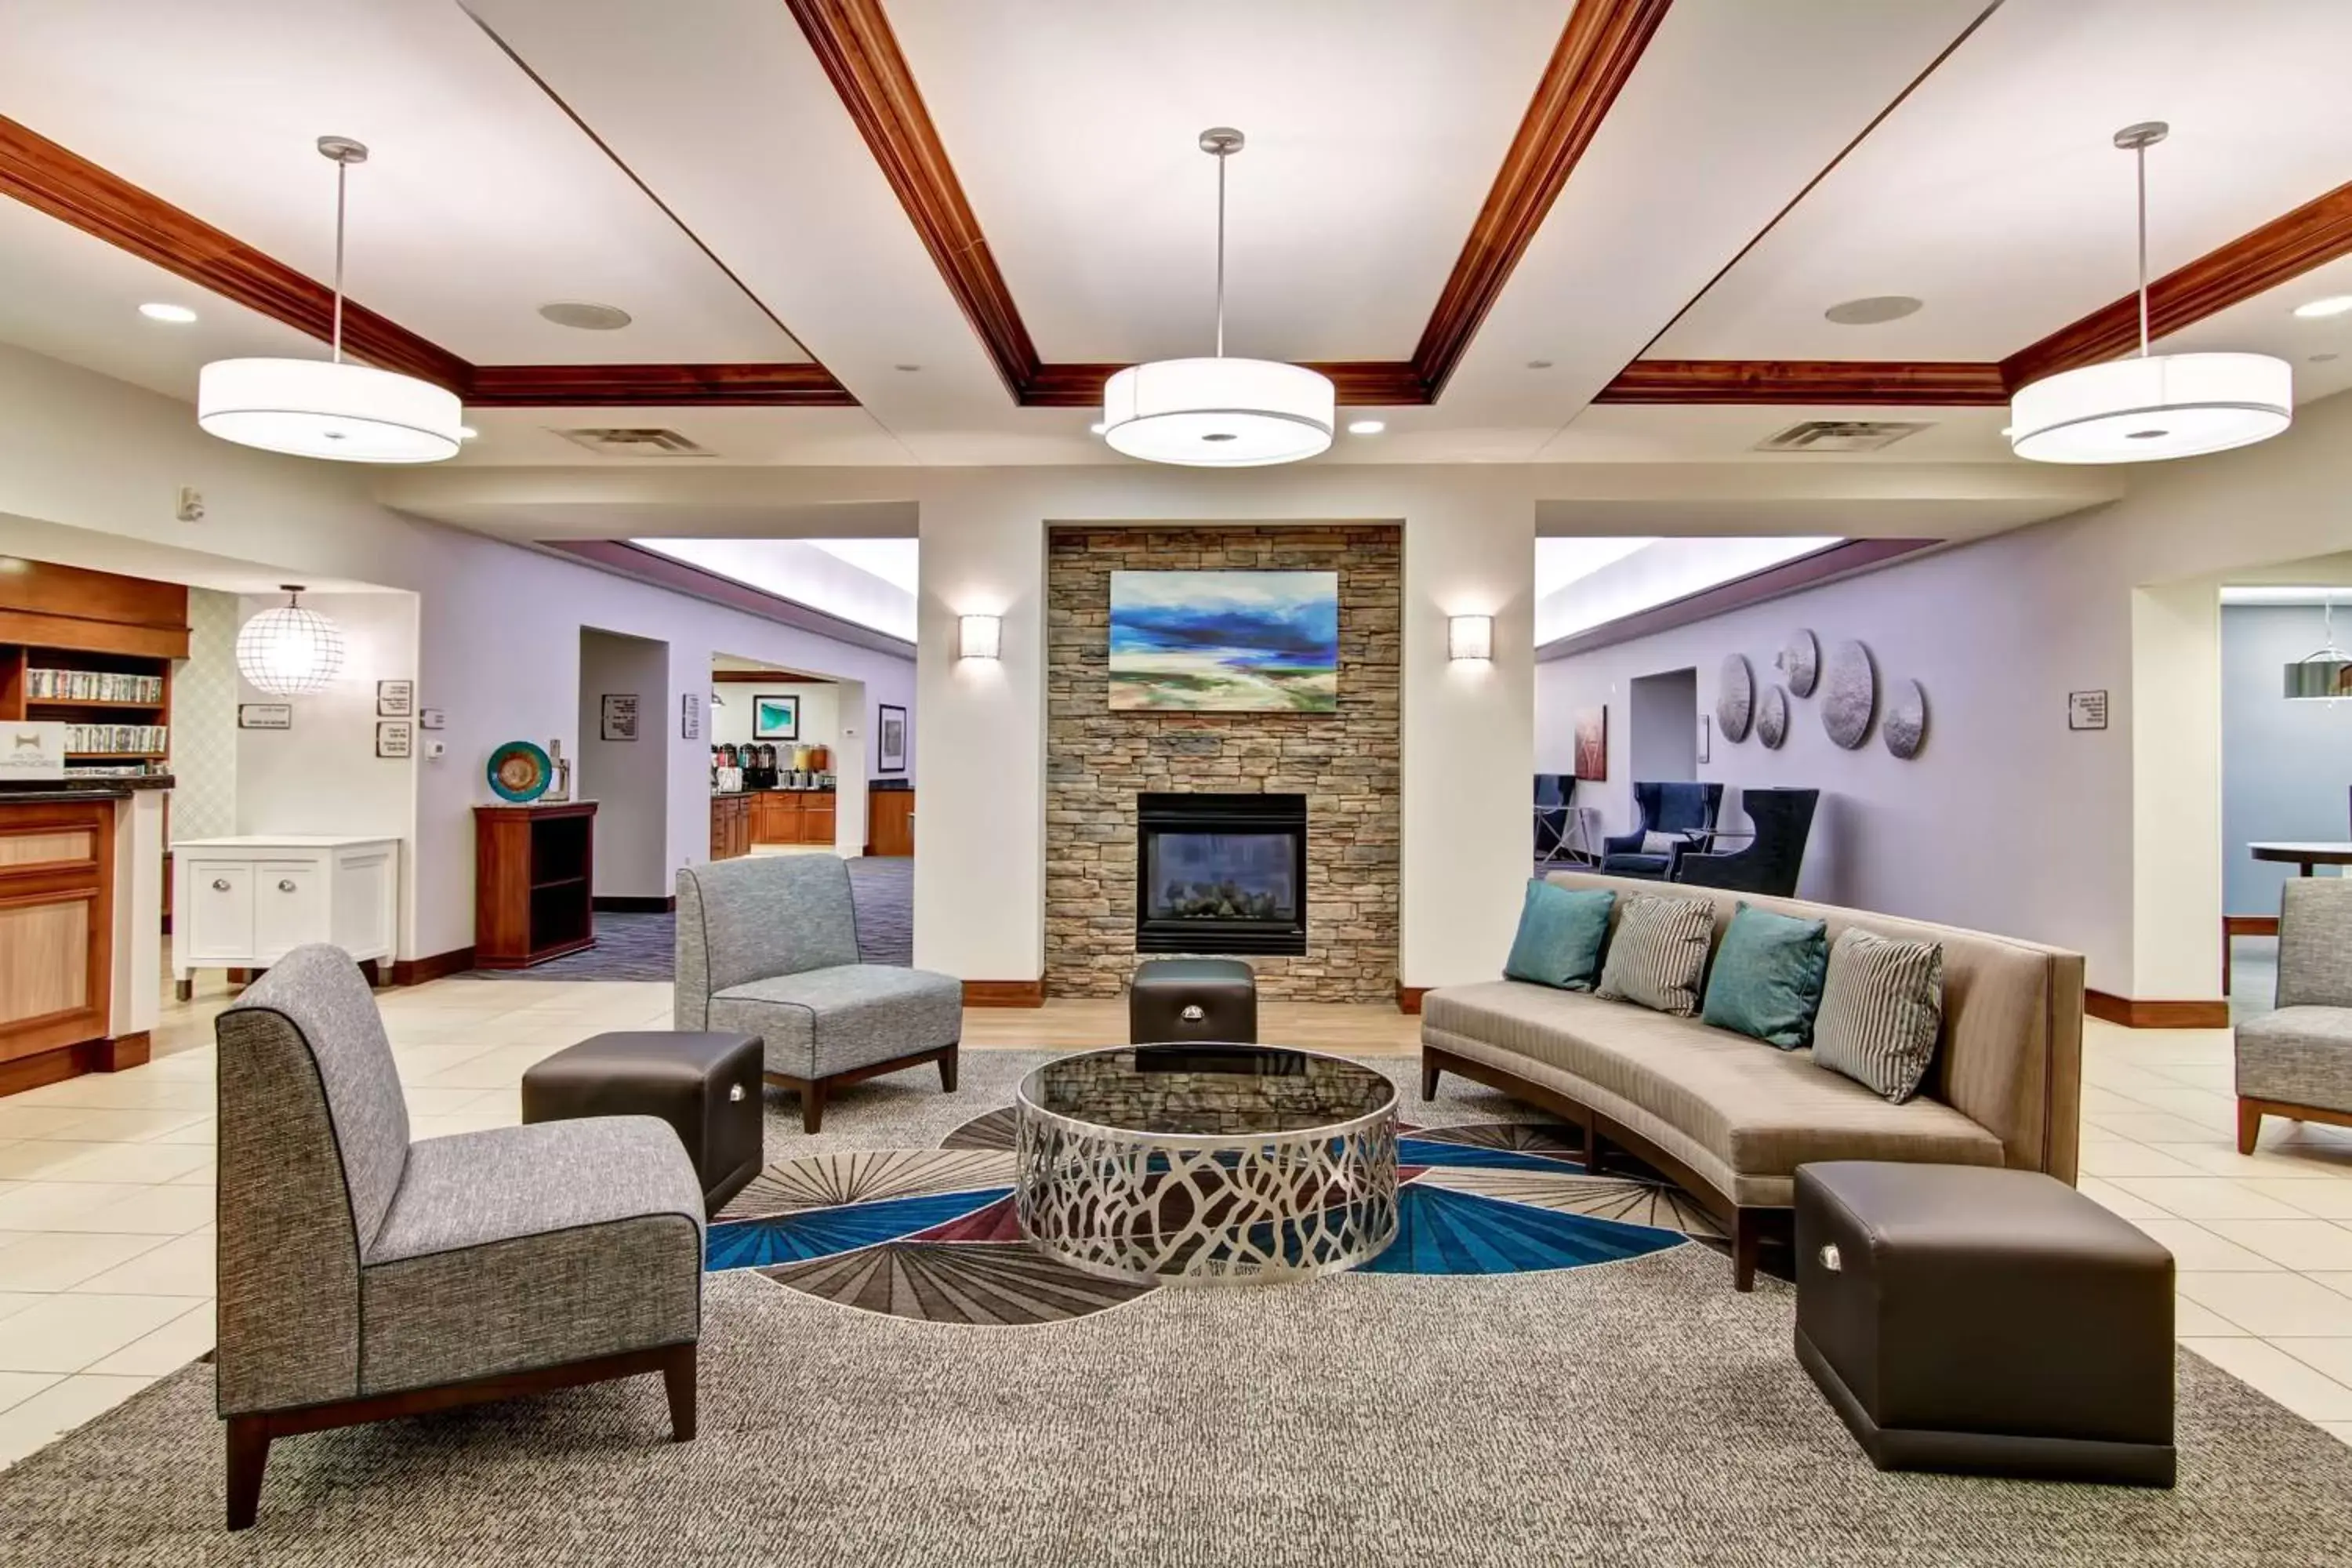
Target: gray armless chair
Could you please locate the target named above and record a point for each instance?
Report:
(364, 1277)
(2296, 1062)
(767, 945)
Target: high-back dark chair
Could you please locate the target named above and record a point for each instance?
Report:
(1685, 810)
(1783, 820)
(1555, 795)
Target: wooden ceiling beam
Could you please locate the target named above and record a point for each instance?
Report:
(1954, 383)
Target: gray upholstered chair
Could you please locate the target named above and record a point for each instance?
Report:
(365, 1277)
(767, 945)
(2297, 1061)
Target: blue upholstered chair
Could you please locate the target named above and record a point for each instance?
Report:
(1769, 862)
(1684, 810)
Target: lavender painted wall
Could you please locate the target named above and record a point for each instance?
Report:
(2286, 767)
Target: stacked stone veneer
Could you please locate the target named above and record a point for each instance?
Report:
(1344, 764)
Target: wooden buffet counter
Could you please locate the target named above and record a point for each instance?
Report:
(745, 817)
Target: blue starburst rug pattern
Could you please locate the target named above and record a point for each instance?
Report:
(930, 1234)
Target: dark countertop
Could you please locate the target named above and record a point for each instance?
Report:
(72, 788)
(780, 789)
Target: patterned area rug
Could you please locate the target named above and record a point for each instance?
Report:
(932, 1233)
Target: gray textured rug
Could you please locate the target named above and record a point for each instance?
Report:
(1634, 1412)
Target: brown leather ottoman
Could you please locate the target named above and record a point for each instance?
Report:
(1174, 1001)
(1968, 1318)
(705, 1086)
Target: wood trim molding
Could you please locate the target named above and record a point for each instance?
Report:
(1804, 572)
(1598, 48)
(2249, 925)
(102, 204)
(1004, 992)
(1409, 997)
(56, 1065)
(2139, 1013)
(2288, 245)
(1951, 384)
(433, 966)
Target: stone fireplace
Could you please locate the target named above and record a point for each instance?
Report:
(1343, 770)
(1221, 873)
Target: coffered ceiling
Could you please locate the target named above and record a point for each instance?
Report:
(878, 232)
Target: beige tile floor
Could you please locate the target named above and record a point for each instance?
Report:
(106, 1184)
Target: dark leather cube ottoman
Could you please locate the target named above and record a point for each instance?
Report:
(705, 1086)
(1185, 999)
(1968, 1318)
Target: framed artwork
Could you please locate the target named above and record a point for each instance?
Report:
(776, 717)
(265, 715)
(394, 738)
(1706, 738)
(395, 700)
(1232, 642)
(893, 740)
(2087, 709)
(620, 716)
(690, 716)
(1593, 744)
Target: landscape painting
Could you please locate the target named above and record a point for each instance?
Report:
(1225, 642)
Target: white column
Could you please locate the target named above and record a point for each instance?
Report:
(1469, 738)
(979, 812)
(2176, 796)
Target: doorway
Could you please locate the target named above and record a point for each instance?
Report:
(1662, 715)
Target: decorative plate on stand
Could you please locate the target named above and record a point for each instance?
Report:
(519, 772)
(1735, 698)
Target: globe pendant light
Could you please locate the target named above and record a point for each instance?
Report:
(1219, 413)
(2327, 673)
(2151, 406)
(329, 408)
(289, 651)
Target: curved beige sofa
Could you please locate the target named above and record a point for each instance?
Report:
(1730, 1118)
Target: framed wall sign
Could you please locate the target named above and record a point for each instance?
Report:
(2087, 709)
(689, 717)
(265, 715)
(395, 700)
(394, 738)
(620, 722)
(776, 717)
(893, 740)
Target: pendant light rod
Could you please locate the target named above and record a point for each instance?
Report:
(2136, 139)
(1221, 143)
(342, 152)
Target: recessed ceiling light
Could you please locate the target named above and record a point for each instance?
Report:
(466, 432)
(1539, 364)
(2334, 305)
(1870, 310)
(178, 315)
(1097, 428)
(586, 317)
(1366, 427)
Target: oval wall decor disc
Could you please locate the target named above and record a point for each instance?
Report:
(1772, 717)
(1735, 697)
(520, 773)
(1801, 661)
(1849, 694)
(1904, 729)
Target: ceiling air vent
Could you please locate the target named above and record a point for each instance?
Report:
(636, 443)
(1839, 435)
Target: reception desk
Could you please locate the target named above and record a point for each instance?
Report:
(81, 911)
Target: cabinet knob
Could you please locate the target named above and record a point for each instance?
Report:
(735, 1094)
(1831, 1259)
(220, 884)
(285, 884)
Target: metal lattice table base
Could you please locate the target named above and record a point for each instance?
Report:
(1177, 1209)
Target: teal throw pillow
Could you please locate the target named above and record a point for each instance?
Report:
(1560, 934)
(1767, 977)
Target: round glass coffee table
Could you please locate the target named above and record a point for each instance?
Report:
(1207, 1164)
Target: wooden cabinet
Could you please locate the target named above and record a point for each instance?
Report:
(890, 822)
(56, 926)
(793, 817)
(245, 902)
(731, 826)
(534, 876)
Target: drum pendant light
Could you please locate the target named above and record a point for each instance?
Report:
(329, 408)
(2151, 406)
(1219, 413)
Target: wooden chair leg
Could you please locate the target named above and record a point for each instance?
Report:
(1747, 1232)
(813, 1105)
(2249, 1126)
(248, 1455)
(1429, 1075)
(677, 1377)
(947, 1070)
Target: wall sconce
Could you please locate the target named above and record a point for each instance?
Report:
(1470, 636)
(979, 636)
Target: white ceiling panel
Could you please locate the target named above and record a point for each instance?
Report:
(532, 437)
(1706, 433)
(480, 201)
(1375, 128)
(1995, 195)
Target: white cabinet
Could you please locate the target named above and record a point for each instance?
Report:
(243, 903)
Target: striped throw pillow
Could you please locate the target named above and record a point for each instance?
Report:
(1882, 1010)
(1659, 953)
